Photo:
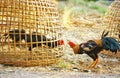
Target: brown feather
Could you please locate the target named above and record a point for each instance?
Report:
(98, 42)
(76, 49)
(74, 46)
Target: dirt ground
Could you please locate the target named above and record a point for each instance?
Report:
(24, 74)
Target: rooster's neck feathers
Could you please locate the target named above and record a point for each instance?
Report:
(76, 49)
(98, 42)
(74, 46)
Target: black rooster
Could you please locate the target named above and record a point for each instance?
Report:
(36, 39)
(33, 39)
(93, 47)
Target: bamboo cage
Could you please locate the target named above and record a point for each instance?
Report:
(30, 31)
(112, 19)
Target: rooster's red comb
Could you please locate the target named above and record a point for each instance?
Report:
(60, 42)
(71, 44)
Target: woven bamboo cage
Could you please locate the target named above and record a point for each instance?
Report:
(112, 19)
(29, 32)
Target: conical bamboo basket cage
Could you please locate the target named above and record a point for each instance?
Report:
(29, 32)
(112, 19)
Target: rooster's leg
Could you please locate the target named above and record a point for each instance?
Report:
(93, 64)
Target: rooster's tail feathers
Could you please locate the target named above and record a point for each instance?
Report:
(111, 44)
(104, 34)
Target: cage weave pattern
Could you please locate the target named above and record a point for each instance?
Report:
(112, 19)
(28, 31)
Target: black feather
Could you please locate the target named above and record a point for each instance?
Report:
(110, 43)
(15, 35)
(90, 45)
(90, 48)
(104, 34)
(38, 40)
